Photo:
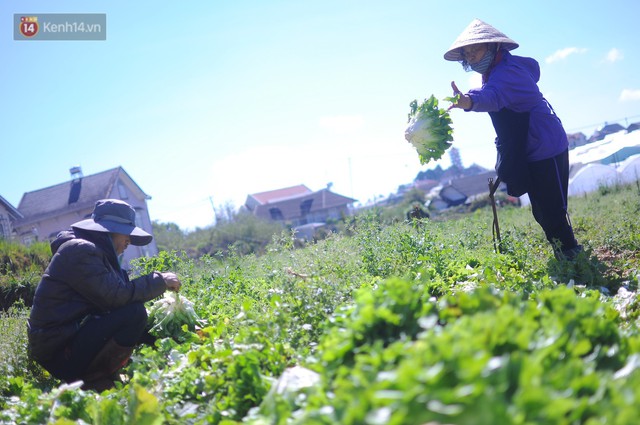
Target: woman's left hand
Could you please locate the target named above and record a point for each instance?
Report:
(464, 102)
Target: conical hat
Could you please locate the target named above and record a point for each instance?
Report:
(478, 32)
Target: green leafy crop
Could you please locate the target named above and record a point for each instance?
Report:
(169, 314)
(429, 129)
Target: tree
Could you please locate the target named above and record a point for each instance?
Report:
(433, 174)
(168, 236)
(226, 212)
(456, 160)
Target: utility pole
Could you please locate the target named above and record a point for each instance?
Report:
(350, 177)
(215, 218)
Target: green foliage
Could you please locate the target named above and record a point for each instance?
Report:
(379, 316)
(163, 262)
(489, 356)
(240, 232)
(403, 324)
(15, 257)
(168, 236)
(20, 270)
(14, 352)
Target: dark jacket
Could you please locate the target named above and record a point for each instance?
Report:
(83, 278)
(511, 165)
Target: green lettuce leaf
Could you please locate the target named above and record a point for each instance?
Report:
(429, 129)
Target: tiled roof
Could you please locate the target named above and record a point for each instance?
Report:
(291, 208)
(10, 208)
(280, 194)
(606, 130)
(425, 185)
(633, 127)
(468, 186)
(71, 195)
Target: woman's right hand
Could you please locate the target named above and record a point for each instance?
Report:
(172, 281)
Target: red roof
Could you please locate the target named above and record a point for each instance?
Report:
(318, 203)
(278, 195)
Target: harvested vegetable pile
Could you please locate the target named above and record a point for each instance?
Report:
(168, 314)
(429, 129)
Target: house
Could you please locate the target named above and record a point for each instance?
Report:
(633, 127)
(576, 139)
(466, 189)
(47, 211)
(604, 131)
(423, 186)
(263, 198)
(299, 205)
(8, 215)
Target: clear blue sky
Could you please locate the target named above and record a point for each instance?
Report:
(205, 102)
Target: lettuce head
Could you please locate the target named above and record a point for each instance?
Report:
(170, 313)
(429, 129)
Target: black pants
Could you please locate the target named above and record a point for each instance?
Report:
(125, 325)
(548, 196)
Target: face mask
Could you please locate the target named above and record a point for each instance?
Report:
(483, 64)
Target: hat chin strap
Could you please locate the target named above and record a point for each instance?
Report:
(112, 218)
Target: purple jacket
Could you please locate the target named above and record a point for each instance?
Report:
(512, 84)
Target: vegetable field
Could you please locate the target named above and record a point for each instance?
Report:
(387, 323)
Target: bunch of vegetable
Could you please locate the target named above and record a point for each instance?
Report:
(168, 315)
(429, 129)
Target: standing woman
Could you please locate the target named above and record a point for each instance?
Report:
(533, 150)
(87, 316)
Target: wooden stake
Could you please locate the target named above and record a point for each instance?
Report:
(496, 226)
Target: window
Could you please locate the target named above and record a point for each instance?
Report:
(122, 190)
(305, 207)
(74, 191)
(139, 220)
(276, 214)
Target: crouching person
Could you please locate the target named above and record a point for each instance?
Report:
(87, 316)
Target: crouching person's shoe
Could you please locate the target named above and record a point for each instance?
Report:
(568, 254)
(146, 339)
(99, 385)
(100, 374)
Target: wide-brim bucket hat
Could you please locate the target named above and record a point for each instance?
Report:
(476, 33)
(115, 216)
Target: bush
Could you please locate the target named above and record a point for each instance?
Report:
(20, 270)
(15, 360)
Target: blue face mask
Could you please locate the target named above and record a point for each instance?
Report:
(483, 64)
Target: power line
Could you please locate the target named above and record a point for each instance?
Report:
(603, 122)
